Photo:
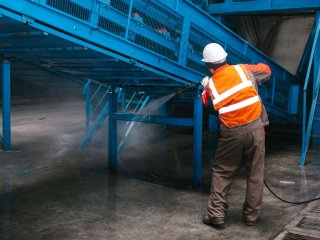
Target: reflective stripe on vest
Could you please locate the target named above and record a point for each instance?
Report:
(239, 105)
(244, 84)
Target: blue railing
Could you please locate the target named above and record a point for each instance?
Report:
(307, 126)
(97, 105)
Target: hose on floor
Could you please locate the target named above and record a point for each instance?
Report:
(290, 202)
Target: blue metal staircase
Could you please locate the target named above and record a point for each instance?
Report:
(163, 37)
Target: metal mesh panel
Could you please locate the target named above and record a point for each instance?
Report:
(111, 26)
(73, 8)
(114, 17)
(147, 43)
(122, 6)
(196, 42)
(156, 28)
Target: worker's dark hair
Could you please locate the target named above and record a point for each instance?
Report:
(215, 66)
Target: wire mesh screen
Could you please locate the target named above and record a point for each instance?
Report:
(77, 9)
(144, 22)
(197, 41)
(156, 28)
(114, 16)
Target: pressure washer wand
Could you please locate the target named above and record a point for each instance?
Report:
(188, 87)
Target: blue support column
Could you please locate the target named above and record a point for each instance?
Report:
(6, 112)
(86, 92)
(197, 140)
(123, 100)
(213, 124)
(184, 42)
(112, 132)
(293, 99)
(316, 63)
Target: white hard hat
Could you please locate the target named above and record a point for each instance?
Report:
(214, 53)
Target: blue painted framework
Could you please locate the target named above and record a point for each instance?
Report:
(6, 106)
(196, 25)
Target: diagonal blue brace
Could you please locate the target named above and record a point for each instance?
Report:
(197, 140)
(6, 112)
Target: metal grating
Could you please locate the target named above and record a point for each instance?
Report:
(111, 26)
(199, 67)
(309, 224)
(147, 43)
(71, 8)
(162, 28)
(196, 42)
(294, 236)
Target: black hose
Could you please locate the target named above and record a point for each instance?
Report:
(283, 200)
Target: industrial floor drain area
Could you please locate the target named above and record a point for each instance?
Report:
(294, 236)
(316, 209)
(305, 226)
(309, 224)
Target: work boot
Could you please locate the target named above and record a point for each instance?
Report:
(217, 222)
(249, 223)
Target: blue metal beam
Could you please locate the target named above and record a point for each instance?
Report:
(6, 106)
(262, 6)
(197, 140)
(186, 122)
(112, 132)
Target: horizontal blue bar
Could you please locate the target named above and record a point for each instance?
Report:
(186, 122)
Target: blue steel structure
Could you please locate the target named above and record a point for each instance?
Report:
(312, 123)
(149, 45)
(6, 108)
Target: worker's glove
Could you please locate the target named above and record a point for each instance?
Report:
(205, 81)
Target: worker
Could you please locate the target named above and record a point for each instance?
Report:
(232, 91)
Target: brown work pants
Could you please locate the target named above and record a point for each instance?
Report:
(242, 143)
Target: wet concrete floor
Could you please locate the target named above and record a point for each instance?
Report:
(51, 189)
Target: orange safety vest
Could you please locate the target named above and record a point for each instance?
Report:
(234, 96)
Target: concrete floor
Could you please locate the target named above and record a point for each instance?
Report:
(51, 189)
